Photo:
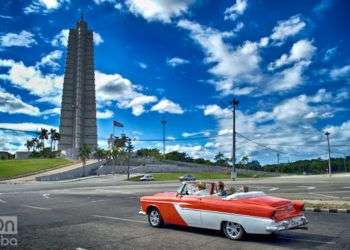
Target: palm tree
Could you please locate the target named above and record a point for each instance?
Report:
(84, 154)
(43, 135)
(100, 154)
(29, 144)
(34, 143)
(40, 145)
(52, 137)
(129, 149)
(57, 137)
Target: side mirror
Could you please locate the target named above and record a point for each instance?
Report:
(178, 194)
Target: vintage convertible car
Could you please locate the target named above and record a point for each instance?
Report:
(235, 215)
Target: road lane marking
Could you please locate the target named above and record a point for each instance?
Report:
(46, 196)
(274, 189)
(35, 207)
(2, 201)
(307, 187)
(327, 196)
(314, 241)
(117, 218)
(96, 201)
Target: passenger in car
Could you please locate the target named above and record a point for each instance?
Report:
(221, 189)
(202, 190)
(244, 189)
(231, 190)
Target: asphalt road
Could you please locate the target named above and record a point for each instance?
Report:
(101, 213)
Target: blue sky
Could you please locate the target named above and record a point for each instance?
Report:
(286, 61)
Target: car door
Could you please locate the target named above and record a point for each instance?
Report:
(189, 210)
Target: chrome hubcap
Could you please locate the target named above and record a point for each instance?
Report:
(233, 229)
(154, 218)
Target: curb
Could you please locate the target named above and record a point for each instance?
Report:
(327, 210)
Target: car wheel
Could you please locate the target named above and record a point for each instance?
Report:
(233, 231)
(154, 218)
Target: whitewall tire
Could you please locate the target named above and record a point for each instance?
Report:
(233, 231)
(154, 217)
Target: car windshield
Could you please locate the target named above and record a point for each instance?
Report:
(195, 188)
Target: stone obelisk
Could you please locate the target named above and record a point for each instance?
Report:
(78, 109)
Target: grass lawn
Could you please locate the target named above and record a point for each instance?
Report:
(199, 176)
(15, 168)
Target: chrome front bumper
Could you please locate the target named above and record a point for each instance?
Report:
(142, 212)
(293, 223)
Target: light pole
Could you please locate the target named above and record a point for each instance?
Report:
(235, 103)
(329, 155)
(163, 122)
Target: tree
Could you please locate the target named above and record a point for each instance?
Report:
(177, 156)
(52, 133)
(129, 149)
(56, 137)
(43, 135)
(149, 152)
(118, 151)
(100, 154)
(84, 154)
(221, 160)
(29, 144)
(244, 161)
(39, 145)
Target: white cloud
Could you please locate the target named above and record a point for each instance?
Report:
(143, 65)
(167, 106)
(340, 73)
(98, 2)
(217, 111)
(175, 61)
(291, 122)
(287, 28)
(106, 114)
(322, 6)
(61, 39)
(231, 65)
(113, 87)
(97, 39)
(341, 132)
(14, 105)
(301, 50)
(50, 59)
(44, 6)
(193, 150)
(14, 136)
(236, 9)
(158, 10)
(330, 53)
(137, 104)
(26, 126)
(53, 111)
(191, 134)
(22, 39)
(288, 78)
(6, 17)
(33, 80)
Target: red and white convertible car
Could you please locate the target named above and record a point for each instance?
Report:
(235, 215)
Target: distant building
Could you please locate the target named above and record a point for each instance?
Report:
(22, 155)
(4, 155)
(78, 109)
